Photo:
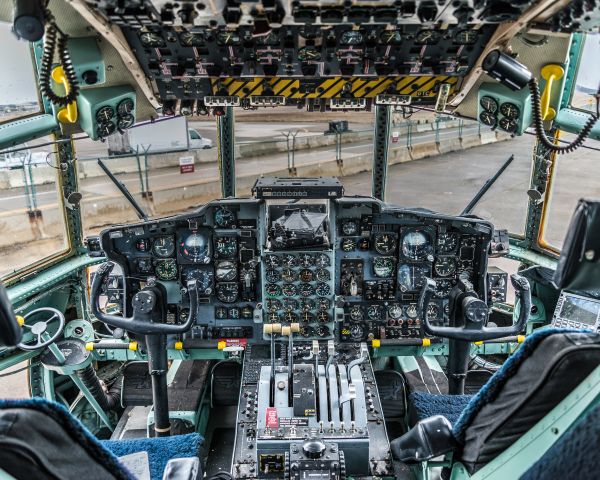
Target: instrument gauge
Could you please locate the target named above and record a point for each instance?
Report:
(228, 38)
(152, 40)
(323, 289)
(385, 243)
(411, 311)
(224, 218)
(508, 124)
(307, 305)
(288, 275)
(443, 287)
(348, 245)
(447, 242)
(356, 332)
(270, 39)
(416, 245)
(273, 290)
(465, 37)
(489, 104)
(226, 270)
(322, 260)
(227, 292)
(306, 290)
(375, 312)
(289, 290)
(273, 261)
(322, 275)
(427, 37)
(306, 260)
(323, 303)
(247, 312)
(432, 310)
(356, 313)
(445, 266)
(308, 54)
(290, 317)
(412, 277)
(144, 265)
(125, 107)
(105, 129)
(105, 114)
(289, 304)
(273, 305)
(350, 227)
(221, 313)
(394, 311)
(204, 279)
(195, 247)
(307, 317)
(383, 267)
(364, 244)
(191, 39)
(289, 261)
(391, 37)
(226, 247)
(272, 275)
(488, 119)
(322, 331)
(142, 245)
(306, 331)
(163, 246)
(273, 317)
(306, 275)
(125, 122)
(322, 317)
(166, 269)
(510, 110)
(351, 37)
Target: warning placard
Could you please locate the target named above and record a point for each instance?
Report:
(186, 164)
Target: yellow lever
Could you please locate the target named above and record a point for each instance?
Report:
(69, 113)
(550, 73)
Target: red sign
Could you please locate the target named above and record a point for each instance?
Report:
(186, 164)
(395, 137)
(272, 421)
(235, 342)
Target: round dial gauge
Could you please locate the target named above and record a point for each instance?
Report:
(273, 305)
(306, 260)
(224, 218)
(356, 332)
(227, 292)
(195, 247)
(226, 270)
(272, 261)
(273, 290)
(142, 245)
(412, 277)
(228, 38)
(226, 247)
(272, 275)
(306, 275)
(375, 312)
(234, 313)
(356, 313)
(323, 289)
(364, 244)
(125, 107)
(383, 267)
(322, 275)
(443, 287)
(416, 245)
(204, 279)
(125, 122)
(510, 110)
(351, 37)
(105, 114)
(307, 317)
(322, 260)
(153, 40)
(394, 311)
(432, 310)
(290, 317)
(465, 37)
(247, 312)
(144, 265)
(427, 37)
(289, 304)
(306, 290)
(166, 269)
(307, 305)
(323, 303)
(270, 38)
(488, 119)
(385, 243)
(163, 247)
(289, 290)
(105, 129)
(348, 245)
(273, 317)
(391, 37)
(322, 317)
(221, 313)
(306, 331)
(445, 266)
(489, 104)
(322, 331)
(288, 275)
(508, 124)
(447, 242)
(350, 227)
(308, 54)
(289, 261)
(190, 39)
(411, 311)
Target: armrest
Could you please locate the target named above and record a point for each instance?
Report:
(183, 469)
(428, 439)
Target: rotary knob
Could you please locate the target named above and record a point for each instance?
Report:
(313, 448)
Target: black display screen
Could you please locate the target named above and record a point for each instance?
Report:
(580, 310)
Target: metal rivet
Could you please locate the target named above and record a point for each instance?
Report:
(589, 255)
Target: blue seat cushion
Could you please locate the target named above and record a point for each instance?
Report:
(429, 404)
(160, 450)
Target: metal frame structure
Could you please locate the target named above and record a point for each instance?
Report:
(226, 152)
(380, 151)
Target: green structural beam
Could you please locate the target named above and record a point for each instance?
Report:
(380, 150)
(226, 152)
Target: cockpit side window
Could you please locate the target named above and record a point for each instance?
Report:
(587, 81)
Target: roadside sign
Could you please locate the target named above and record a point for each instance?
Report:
(186, 164)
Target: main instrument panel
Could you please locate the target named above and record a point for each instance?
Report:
(348, 269)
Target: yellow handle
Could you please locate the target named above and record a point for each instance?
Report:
(550, 73)
(69, 113)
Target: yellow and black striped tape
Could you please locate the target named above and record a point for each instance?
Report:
(415, 86)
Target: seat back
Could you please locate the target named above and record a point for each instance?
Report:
(541, 373)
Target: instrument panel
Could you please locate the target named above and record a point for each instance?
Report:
(346, 269)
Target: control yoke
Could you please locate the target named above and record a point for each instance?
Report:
(473, 313)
